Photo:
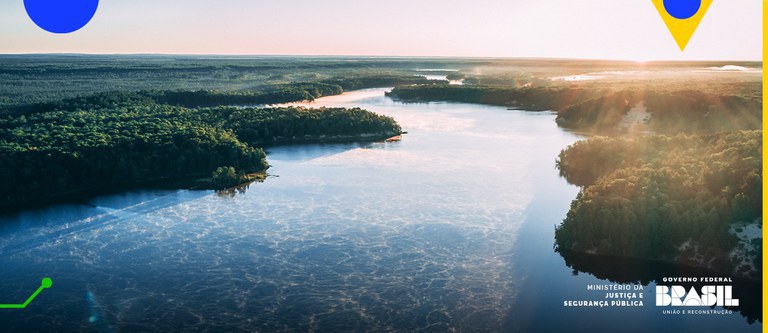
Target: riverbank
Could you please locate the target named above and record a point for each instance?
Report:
(84, 145)
(447, 253)
(195, 181)
(686, 199)
(605, 111)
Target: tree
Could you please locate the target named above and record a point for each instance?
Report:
(225, 176)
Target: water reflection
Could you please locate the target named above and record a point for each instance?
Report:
(308, 152)
(449, 229)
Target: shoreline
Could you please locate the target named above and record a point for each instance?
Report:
(194, 182)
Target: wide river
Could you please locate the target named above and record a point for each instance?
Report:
(449, 229)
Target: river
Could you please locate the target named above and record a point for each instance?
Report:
(450, 228)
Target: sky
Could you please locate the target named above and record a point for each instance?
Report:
(593, 29)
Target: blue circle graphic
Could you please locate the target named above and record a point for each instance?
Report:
(61, 16)
(682, 9)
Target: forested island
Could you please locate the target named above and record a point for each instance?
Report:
(694, 200)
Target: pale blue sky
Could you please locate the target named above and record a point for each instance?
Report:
(607, 29)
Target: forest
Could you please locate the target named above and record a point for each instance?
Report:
(527, 98)
(686, 188)
(681, 198)
(274, 94)
(670, 112)
(85, 144)
(33, 79)
(671, 168)
(600, 110)
(79, 124)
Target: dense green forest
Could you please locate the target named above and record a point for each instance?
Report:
(529, 98)
(671, 112)
(33, 79)
(283, 93)
(677, 198)
(94, 142)
(73, 124)
(601, 110)
(78, 124)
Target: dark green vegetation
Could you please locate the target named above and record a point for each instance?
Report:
(679, 178)
(602, 110)
(205, 138)
(528, 98)
(283, 93)
(682, 198)
(597, 96)
(113, 140)
(224, 177)
(32, 79)
(669, 112)
(77, 124)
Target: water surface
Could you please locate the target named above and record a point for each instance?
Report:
(449, 229)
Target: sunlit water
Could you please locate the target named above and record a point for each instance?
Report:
(449, 229)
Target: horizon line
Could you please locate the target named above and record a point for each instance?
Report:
(159, 54)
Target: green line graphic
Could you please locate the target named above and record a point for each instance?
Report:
(45, 284)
